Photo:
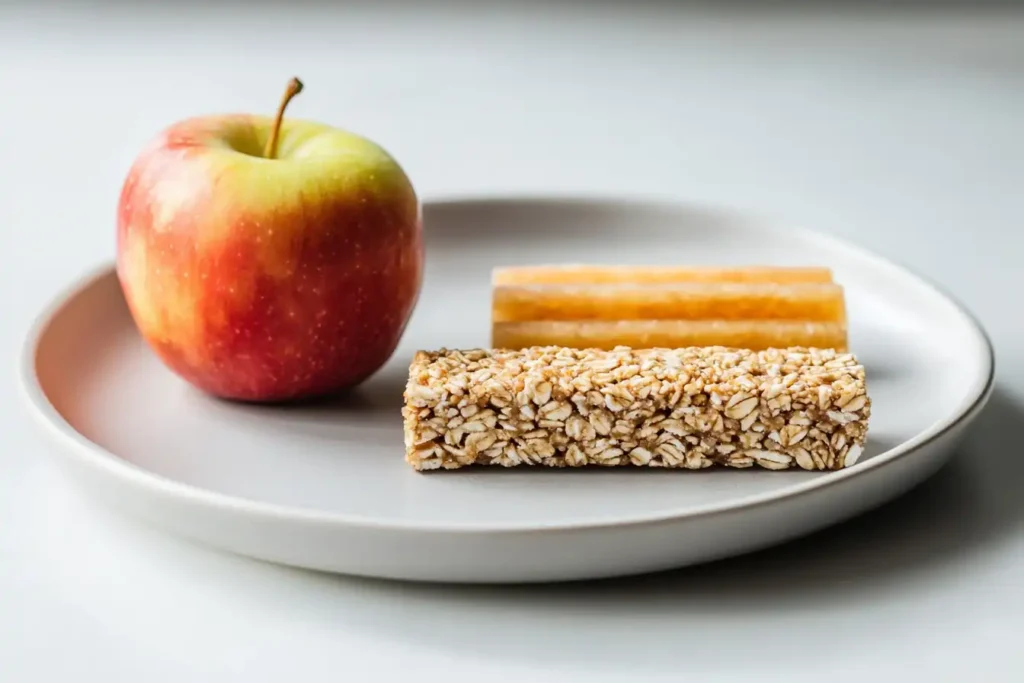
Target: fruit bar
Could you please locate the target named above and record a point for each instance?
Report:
(691, 301)
(689, 408)
(588, 306)
(596, 275)
(602, 334)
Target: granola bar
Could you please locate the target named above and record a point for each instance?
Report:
(689, 408)
(608, 334)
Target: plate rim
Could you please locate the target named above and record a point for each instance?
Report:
(99, 458)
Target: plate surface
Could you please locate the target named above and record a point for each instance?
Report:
(325, 486)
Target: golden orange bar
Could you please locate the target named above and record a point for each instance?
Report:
(672, 334)
(600, 274)
(700, 301)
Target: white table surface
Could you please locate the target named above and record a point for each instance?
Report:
(904, 132)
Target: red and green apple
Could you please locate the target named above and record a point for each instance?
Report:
(269, 259)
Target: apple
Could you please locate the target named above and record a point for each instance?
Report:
(268, 259)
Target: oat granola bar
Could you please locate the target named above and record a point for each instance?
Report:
(686, 408)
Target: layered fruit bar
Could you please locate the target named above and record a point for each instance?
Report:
(688, 408)
(754, 307)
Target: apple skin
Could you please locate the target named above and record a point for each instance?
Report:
(269, 280)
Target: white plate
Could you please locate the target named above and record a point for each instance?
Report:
(325, 486)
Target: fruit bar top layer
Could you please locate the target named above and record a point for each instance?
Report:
(686, 408)
(603, 274)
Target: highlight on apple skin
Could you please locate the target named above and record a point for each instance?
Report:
(264, 264)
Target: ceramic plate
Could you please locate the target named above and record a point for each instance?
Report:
(325, 486)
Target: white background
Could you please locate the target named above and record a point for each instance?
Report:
(903, 131)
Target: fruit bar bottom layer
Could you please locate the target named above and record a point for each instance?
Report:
(645, 334)
(688, 408)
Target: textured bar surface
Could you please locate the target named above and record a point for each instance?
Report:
(691, 301)
(644, 334)
(604, 274)
(682, 408)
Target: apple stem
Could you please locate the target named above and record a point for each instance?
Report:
(293, 89)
